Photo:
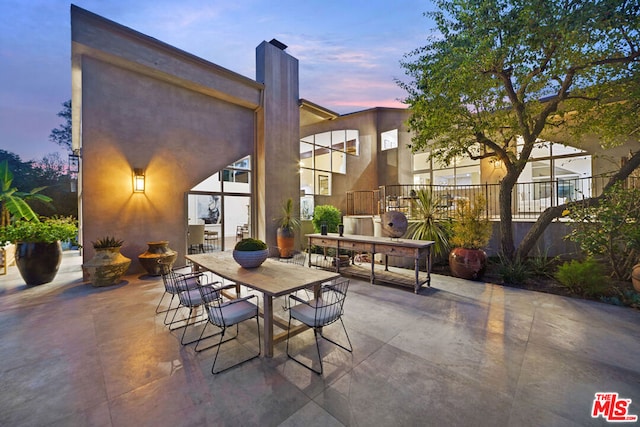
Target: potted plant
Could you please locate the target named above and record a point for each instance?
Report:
(471, 231)
(108, 265)
(326, 215)
(250, 253)
(286, 231)
(13, 207)
(428, 211)
(38, 248)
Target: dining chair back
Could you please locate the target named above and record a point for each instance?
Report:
(325, 309)
(225, 314)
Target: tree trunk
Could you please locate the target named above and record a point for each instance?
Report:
(554, 212)
(506, 216)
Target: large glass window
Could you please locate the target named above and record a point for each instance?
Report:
(322, 155)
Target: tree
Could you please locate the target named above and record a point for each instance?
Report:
(13, 203)
(62, 134)
(503, 70)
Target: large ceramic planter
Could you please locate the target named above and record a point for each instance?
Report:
(106, 268)
(158, 256)
(250, 259)
(635, 277)
(285, 239)
(467, 263)
(38, 262)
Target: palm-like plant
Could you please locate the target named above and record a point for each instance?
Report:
(429, 210)
(13, 203)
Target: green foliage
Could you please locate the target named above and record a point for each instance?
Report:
(107, 242)
(586, 277)
(471, 227)
(62, 134)
(627, 298)
(513, 271)
(287, 220)
(610, 229)
(48, 230)
(542, 264)
(475, 86)
(326, 214)
(250, 244)
(13, 203)
(428, 209)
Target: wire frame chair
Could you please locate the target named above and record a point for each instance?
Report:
(322, 311)
(224, 315)
(173, 286)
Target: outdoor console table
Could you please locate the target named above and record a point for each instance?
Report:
(408, 248)
(272, 278)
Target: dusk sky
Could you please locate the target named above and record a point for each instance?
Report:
(349, 51)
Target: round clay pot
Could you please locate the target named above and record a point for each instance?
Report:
(250, 259)
(107, 267)
(156, 254)
(467, 263)
(38, 262)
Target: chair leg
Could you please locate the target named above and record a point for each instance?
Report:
(310, 367)
(213, 371)
(316, 333)
(350, 349)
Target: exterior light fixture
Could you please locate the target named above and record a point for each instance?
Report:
(497, 164)
(138, 181)
(73, 169)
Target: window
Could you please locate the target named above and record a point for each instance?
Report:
(322, 155)
(389, 139)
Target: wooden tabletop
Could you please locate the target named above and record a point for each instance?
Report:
(273, 278)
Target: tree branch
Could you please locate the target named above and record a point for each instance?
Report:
(555, 212)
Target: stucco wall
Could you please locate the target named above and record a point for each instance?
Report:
(166, 121)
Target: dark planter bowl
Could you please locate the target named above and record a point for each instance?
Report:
(38, 262)
(468, 263)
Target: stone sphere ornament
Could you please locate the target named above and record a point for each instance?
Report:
(394, 224)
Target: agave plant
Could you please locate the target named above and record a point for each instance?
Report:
(429, 226)
(107, 242)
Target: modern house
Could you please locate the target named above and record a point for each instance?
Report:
(212, 146)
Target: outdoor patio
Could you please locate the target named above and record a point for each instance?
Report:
(457, 354)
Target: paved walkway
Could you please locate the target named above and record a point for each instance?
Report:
(458, 354)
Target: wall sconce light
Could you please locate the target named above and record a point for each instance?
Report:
(138, 181)
(497, 164)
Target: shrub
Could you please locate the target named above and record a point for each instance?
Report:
(513, 271)
(428, 209)
(327, 214)
(48, 230)
(250, 244)
(471, 227)
(543, 265)
(586, 277)
(610, 228)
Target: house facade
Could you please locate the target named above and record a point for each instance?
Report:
(218, 148)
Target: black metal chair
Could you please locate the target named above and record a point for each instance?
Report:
(172, 286)
(322, 311)
(225, 314)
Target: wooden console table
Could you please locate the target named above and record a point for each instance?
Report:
(408, 248)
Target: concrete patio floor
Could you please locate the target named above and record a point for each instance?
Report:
(457, 354)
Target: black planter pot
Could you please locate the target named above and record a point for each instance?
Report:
(38, 262)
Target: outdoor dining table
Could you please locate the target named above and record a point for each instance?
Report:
(273, 278)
